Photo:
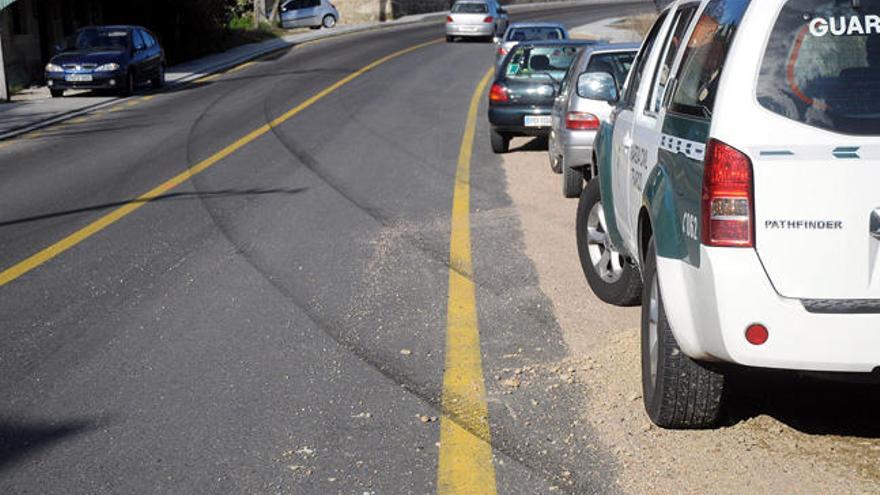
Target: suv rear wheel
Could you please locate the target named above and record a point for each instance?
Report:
(612, 278)
(678, 391)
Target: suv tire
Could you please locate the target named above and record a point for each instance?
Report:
(678, 391)
(572, 181)
(614, 280)
(500, 141)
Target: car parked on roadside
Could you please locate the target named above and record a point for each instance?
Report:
(107, 57)
(525, 85)
(586, 97)
(475, 19)
(527, 31)
(313, 14)
(738, 176)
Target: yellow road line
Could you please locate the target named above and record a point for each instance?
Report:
(37, 259)
(466, 466)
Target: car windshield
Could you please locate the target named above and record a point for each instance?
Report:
(822, 66)
(470, 8)
(101, 39)
(535, 33)
(540, 61)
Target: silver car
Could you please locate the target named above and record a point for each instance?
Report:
(527, 31)
(308, 13)
(586, 97)
(475, 18)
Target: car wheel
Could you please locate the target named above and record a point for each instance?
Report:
(159, 81)
(128, 86)
(613, 279)
(572, 180)
(328, 21)
(678, 391)
(56, 93)
(450, 39)
(500, 141)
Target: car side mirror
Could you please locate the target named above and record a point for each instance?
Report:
(598, 86)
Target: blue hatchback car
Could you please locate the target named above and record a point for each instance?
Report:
(107, 57)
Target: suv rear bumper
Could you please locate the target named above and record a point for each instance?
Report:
(709, 309)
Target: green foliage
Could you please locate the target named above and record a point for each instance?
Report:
(190, 28)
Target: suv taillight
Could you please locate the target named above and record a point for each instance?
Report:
(489, 18)
(498, 93)
(581, 121)
(449, 18)
(728, 199)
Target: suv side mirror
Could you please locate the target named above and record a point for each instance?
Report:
(598, 86)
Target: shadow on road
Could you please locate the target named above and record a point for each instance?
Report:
(225, 193)
(21, 438)
(533, 144)
(811, 405)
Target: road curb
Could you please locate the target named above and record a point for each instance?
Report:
(283, 44)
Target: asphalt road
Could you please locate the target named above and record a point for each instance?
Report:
(277, 323)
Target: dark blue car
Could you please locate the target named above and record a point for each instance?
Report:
(108, 57)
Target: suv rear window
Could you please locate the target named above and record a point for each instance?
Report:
(703, 59)
(470, 8)
(822, 65)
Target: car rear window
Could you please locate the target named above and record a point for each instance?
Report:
(470, 8)
(822, 65)
(540, 61)
(616, 64)
(535, 34)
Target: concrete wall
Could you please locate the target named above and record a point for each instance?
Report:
(21, 43)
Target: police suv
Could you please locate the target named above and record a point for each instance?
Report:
(739, 196)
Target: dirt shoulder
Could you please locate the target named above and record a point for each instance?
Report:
(786, 436)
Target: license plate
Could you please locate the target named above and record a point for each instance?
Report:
(538, 121)
(78, 78)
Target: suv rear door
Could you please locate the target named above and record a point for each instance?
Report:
(622, 119)
(817, 199)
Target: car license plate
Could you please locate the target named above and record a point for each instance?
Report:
(78, 78)
(538, 121)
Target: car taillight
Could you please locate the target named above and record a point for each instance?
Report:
(498, 93)
(727, 206)
(489, 18)
(449, 18)
(581, 121)
(502, 51)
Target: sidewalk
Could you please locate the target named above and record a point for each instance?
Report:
(35, 109)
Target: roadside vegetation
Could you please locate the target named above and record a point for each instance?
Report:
(196, 28)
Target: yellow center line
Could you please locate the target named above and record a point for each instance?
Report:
(37, 259)
(466, 466)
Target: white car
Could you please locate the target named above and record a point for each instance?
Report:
(475, 19)
(739, 177)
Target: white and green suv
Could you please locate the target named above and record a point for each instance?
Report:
(739, 196)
